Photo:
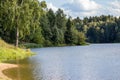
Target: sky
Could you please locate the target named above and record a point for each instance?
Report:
(86, 8)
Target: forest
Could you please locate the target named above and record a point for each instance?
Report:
(31, 22)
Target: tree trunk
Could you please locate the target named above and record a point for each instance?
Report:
(17, 37)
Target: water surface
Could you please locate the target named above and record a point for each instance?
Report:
(93, 62)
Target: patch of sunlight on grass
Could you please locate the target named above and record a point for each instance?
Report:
(10, 52)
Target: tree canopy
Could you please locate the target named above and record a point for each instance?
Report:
(30, 21)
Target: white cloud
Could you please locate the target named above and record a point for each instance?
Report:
(82, 5)
(115, 4)
(90, 13)
(51, 6)
(82, 8)
(82, 14)
(86, 5)
(114, 8)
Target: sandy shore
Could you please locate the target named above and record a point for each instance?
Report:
(4, 66)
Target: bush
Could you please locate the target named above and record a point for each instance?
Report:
(31, 45)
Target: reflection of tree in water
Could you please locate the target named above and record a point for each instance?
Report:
(23, 72)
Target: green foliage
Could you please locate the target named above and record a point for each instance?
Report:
(51, 18)
(43, 4)
(102, 29)
(30, 45)
(37, 36)
(60, 23)
(32, 23)
(9, 52)
(68, 33)
(20, 16)
(71, 34)
(46, 29)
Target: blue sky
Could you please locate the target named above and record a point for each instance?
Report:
(83, 8)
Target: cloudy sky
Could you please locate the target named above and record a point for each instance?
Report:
(83, 8)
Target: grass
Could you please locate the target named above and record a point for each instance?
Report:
(31, 45)
(10, 52)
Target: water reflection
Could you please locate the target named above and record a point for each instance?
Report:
(23, 72)
(94, 62)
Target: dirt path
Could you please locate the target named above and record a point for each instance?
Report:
(4, 66)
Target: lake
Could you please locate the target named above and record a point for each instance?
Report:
(93, 62)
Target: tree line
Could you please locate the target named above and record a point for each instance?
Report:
(102, 29)
(30, 21)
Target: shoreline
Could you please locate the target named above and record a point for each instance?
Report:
(4, 66)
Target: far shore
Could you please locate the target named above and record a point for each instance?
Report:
(4, 66)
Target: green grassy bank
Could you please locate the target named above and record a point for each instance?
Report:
(10, 52)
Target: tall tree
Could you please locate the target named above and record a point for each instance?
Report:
(69, 38)
(60, 22)
(20, 15)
